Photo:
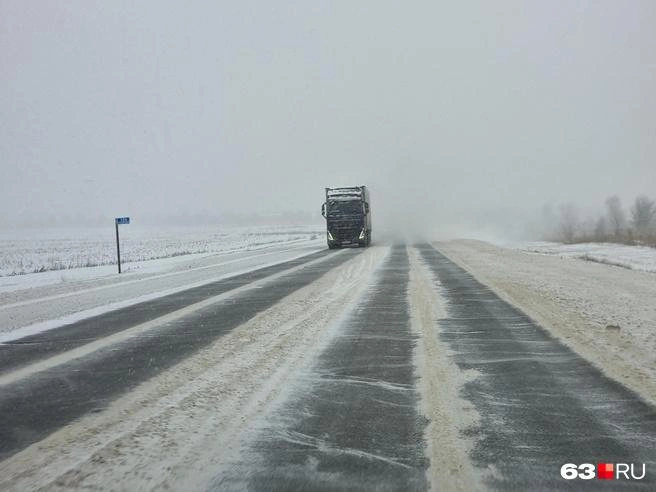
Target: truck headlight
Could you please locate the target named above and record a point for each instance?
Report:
(361, 234)
(330, 236)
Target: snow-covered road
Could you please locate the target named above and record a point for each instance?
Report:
(390, 367)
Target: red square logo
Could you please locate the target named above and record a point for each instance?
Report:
(605, 471)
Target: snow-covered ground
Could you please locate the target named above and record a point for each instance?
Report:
(641, 258)
(36, 302)
(26, 251)
(606, 314)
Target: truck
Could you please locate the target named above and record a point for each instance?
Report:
(348, 216)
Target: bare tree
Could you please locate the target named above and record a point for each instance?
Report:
(601, 230)
(642, 214)
(616, 215)
(568, 222)
(548, 222)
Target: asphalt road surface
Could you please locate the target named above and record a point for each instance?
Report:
(87, 384)
(353, 416)
(357, 424)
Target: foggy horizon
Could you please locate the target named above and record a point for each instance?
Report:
(461, 119)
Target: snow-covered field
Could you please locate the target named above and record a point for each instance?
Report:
(641, 258)
(40, 301)
(42, 250)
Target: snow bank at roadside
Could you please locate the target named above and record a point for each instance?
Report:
(606, 314)
(39, 308)
(60, 249)
(144, 267)
(640, 258)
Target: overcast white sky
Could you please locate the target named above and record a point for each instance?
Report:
(443, 108)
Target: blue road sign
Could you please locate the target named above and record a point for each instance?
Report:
(122, 220)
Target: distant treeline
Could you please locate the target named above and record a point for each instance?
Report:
(635, 224)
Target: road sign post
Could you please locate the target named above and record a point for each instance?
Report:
(117, 221)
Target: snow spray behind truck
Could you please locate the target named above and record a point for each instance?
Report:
(348, 216)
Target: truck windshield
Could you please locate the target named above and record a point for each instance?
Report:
(344, 207)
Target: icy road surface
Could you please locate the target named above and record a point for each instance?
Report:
(386, 368)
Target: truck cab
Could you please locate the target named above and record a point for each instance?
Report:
(348, 216)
